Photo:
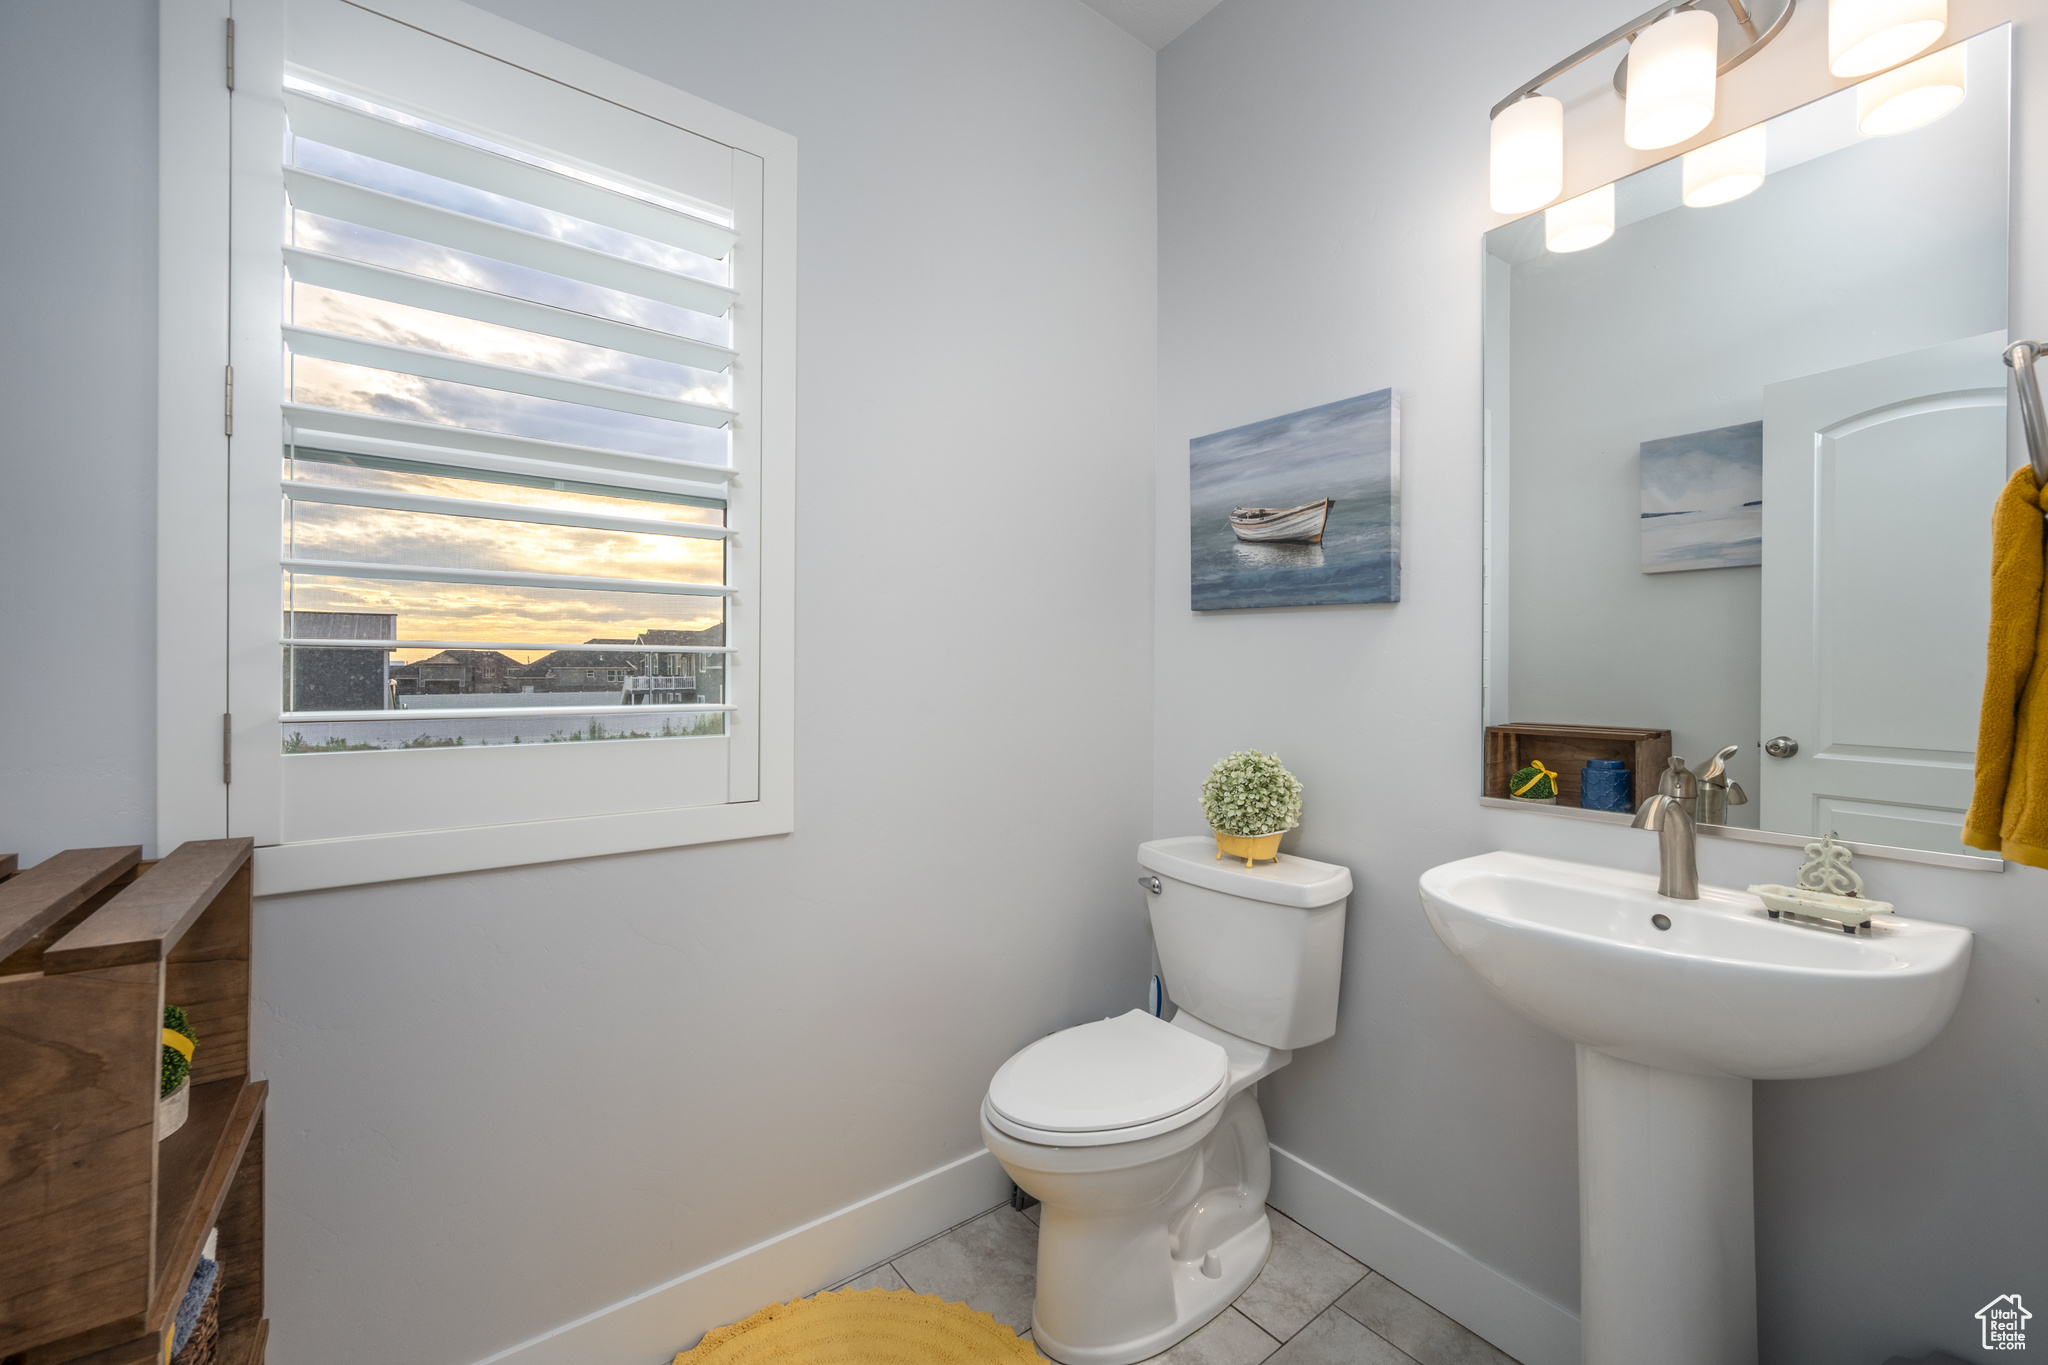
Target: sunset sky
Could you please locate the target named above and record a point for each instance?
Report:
(478, 611)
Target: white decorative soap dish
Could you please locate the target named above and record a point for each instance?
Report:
(1848, 913)
(1830, 892)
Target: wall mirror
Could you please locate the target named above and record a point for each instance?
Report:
(1745, 419)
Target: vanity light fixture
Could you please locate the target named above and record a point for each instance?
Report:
(1676, 52)
(1914, 95)
(1527, 169)
(1670, 80)
(1579, 223)
(1870, 35)
(1723, 171)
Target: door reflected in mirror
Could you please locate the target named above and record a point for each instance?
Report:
(1741, 461)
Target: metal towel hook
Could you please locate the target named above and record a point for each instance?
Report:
(2021, 356)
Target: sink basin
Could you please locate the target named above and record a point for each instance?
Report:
(1724, 991)
(1672, 1023)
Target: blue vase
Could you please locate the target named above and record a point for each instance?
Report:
(1607, 784)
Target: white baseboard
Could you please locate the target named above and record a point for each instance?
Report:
(650, 1327)
(1509, 1314)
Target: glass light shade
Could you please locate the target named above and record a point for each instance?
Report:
(1725, 170)
(1671, 80)
(1527, 167)
(1913, 95)
(1579, 223)
(1870, 35)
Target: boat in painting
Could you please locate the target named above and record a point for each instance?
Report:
(1301, 525)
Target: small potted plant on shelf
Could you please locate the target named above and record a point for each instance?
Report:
(1535, 784)
(174, 1094)
(1250, 800)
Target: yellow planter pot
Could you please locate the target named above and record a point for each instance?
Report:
(1250, 847)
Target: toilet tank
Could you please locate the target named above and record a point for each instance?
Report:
(1256, 951)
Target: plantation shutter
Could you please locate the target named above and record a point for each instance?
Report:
(518, 386)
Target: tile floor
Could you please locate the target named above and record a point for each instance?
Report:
(1311, 1305)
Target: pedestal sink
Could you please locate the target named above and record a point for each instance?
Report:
(1676, 1006)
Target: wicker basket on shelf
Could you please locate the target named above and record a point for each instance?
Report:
(202, 1345)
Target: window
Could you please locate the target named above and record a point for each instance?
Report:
(510, 473)
(470, 372)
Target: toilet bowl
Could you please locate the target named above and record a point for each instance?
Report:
(1142, 1138)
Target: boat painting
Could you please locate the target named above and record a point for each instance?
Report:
(1301, 525)
(1302, 510)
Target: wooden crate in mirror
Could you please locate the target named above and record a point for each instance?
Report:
(1564, 749)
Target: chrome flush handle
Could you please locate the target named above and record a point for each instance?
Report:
(1150, 884)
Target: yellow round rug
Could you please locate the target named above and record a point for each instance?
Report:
(862, 1327)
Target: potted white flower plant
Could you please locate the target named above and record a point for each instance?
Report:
(1250, 800)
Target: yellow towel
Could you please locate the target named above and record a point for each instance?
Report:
(2009, 808)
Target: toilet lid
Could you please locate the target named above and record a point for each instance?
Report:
(1115, 1073)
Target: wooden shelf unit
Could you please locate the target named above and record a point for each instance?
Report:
(101, 1225)
(1564, 749)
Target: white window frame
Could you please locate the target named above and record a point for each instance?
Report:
(200, 177)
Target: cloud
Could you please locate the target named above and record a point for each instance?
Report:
(403, 325)
(428, 189)
(1342, 450)
(357, 388)
(482, 611)
(1704, 471)
(332, 468)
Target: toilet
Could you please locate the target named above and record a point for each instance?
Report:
(1142, 1138)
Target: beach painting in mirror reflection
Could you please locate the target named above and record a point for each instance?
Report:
(1299, 511)
(1703, 499)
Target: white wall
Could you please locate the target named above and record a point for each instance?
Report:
(78, 425)
(504, 1101)
(1322, 199)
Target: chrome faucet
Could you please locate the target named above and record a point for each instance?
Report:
(1669, 812)
(1719, 791)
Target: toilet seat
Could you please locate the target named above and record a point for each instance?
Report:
(1115, 1080)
